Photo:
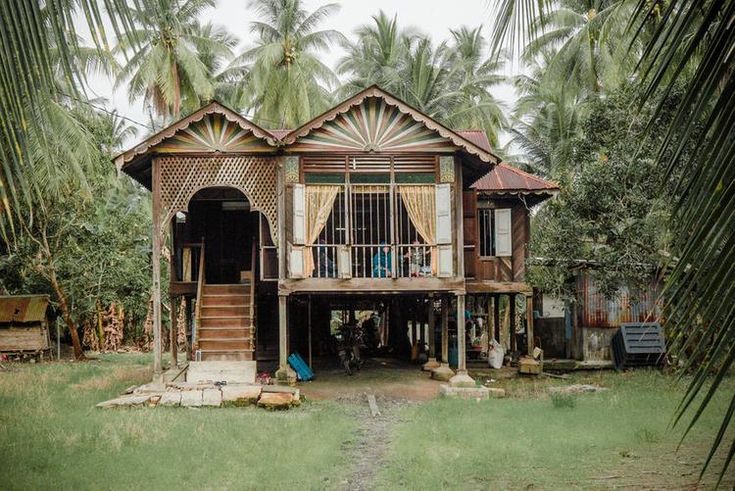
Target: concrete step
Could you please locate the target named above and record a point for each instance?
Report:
(225, 344)
(231, 371)
(227, 355)
(224, 310)
(235, 289)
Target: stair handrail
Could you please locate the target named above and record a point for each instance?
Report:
(253, 255)
(200, 290)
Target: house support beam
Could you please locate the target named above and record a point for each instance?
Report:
(529, 324)
(443, 372)
(461, 379)
(174, 332)
(284, 372)
(156, 286)
(431, 363)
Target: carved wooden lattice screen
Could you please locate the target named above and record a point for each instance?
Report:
(182, 177)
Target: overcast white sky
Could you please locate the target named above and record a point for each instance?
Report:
(434, 17)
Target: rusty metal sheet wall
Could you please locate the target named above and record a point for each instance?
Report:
(598, 310)
(23, 308)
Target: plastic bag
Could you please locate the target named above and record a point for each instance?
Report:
(495, 355)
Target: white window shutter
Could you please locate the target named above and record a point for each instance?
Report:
(446, 261)
(443, 213)
(344, 262)
(503, 242)
(296, 262)
(299, 214)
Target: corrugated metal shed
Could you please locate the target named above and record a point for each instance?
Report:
(23, 308)
(598, 310)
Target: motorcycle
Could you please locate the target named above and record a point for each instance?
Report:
(348, 340)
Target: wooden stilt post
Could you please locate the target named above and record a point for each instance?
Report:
(282, 372)
(529, 324)
(461, 335)
(308, 308)
(443, 372)
(431, 362)
(156, 286)
(174, 332)
(187, 331)
(496, 318)
(512, 325)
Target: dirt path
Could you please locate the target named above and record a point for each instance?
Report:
(368, 452)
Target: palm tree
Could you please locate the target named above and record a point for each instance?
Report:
(377, 56)
(545, 121)
(690, 44)
(172, 56)
(287, 83)
(588, 41)
(472, 78)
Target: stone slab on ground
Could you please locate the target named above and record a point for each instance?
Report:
(576, 389)
(191, 385)
(170, 398)
(276, 400)
(470, 392)
(191, 398)
(150, 388)
(128, 400)
(240, 394)
(242, 372)
(211, 397)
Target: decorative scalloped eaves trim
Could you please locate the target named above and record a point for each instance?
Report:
(211, 108)
(404, 108)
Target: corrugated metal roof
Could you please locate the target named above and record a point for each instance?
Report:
(478, 137)
(23, 308)
(507, 179)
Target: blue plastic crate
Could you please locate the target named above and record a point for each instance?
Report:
(303, 372)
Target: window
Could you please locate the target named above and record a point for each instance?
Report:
(495, 232)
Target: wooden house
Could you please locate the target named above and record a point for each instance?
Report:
(372, 202)
(24, 325)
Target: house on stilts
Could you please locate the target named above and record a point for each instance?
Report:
(276, 235)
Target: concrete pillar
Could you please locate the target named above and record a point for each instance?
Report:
(443, 372)
(431, 363)
(461, 379)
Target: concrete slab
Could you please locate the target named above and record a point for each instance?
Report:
(128, 400)
(276, 400)
(211, 397)
(242, 372)
(191, 398)
(465, 392)
(240, 394)
(170, 398)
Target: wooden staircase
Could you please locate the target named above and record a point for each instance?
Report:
(226, 322)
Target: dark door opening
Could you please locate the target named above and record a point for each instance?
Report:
(230, 230)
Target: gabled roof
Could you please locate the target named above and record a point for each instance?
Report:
(506, 179)
(168, 132)
(484, 154)
(478, 137)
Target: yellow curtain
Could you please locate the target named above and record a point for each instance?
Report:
(420, 203)
(319, 202)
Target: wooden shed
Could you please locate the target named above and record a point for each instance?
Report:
(24, 324)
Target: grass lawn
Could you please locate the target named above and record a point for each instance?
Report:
(52, 436)
(620, 437)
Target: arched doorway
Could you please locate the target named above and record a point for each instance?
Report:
(222, 219)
